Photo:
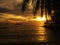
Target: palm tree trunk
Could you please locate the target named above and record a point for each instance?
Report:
(24, 5)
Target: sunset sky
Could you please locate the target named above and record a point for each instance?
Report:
(10, 4)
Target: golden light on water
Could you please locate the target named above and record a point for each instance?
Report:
(43, 34)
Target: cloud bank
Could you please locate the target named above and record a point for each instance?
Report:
(10, 4)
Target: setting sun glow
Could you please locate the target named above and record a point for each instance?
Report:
(41, 18)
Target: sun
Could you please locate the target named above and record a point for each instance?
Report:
(41, 18)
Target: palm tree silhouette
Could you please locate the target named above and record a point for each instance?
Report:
(35, 7)
(24, 5)
(39, 4)
(43, 4)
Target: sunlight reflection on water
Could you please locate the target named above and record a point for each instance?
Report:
(43, 34)
(28, 31)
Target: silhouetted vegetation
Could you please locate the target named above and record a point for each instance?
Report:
(57, 12)
(43, 4)
(24, 5)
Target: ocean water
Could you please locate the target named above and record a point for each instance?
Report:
(26, 32)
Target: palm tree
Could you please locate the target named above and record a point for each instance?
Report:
(47, 5)
(37, 4)
(50, 7)
(24, 5)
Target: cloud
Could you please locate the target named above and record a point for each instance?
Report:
(10, 4)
